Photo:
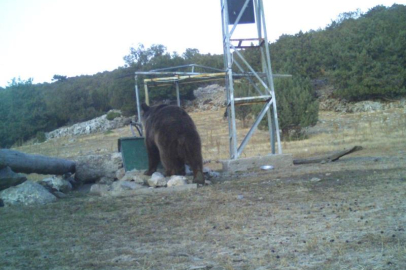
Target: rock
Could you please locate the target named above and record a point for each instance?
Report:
(157, 180)
(92, 168)
(177, 180)
(315, 179)
(99, 124)
(56, 184)
(366, 106)
(84, 188)
(99, 189)
(71, 179)
(210, 97)
(213, 174)
(120, 173)
(8, 178)
(141, 177)
(134, 176)
(59, 195)
(117, 159)
(27, 193)
(342, 105)
(106, 180)
(125, 185)
(209, 174)
(118, 122)
(139, 180)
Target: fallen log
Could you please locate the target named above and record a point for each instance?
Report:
(26, 163)
(327, 158)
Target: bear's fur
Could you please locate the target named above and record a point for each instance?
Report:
(172, 138)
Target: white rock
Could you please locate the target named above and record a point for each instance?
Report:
(105, 180)
(117, 159)
(210, 173)
(58, 184)
(125, 185)
(27, 193)
(99, 189)
(177, 180)
(134, 176)
(315, 179)
(157, 180)
(92, 168)
(95, 125)
(138, 179)
(120, 173)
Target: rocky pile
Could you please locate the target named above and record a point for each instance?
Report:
(99, 124)
(136, 181)
(36, 193)
(105, 174)
(342, 105)
(208, 98)
(328, 103)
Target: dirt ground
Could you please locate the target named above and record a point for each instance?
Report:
(349, 214)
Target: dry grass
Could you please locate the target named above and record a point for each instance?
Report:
(285, 223)
(354, 218)
(376, 132)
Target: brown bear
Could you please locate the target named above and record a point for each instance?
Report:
(172, 138)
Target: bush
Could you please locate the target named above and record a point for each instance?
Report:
(297, 107)
(41, 137)
(129, 110)
(111, 115)
(243, 89)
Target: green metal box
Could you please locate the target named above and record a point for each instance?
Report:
(134, 153)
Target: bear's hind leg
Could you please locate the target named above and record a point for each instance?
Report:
(173, 166)
(198, 177)
(153, 159)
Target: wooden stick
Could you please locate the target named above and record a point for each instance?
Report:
(327, 158)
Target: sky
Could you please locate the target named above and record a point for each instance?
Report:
(41, 38)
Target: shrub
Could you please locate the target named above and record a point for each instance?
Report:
(297, 107)
(243, 89)
(41, 137)
(111, 115)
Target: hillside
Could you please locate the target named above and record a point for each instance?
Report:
(361, 56)
(377, 126)
(347, 214)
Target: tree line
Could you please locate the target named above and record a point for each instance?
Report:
(362, 55)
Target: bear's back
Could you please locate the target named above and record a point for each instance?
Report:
(172, 118)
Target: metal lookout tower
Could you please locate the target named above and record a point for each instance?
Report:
(233, 14)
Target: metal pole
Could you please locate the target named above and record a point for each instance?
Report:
(271, 122)
(137, 98)
(254, 127)
(146, 93)
(223, 28)
(229, 77)
(177, 93)
(270, 78)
